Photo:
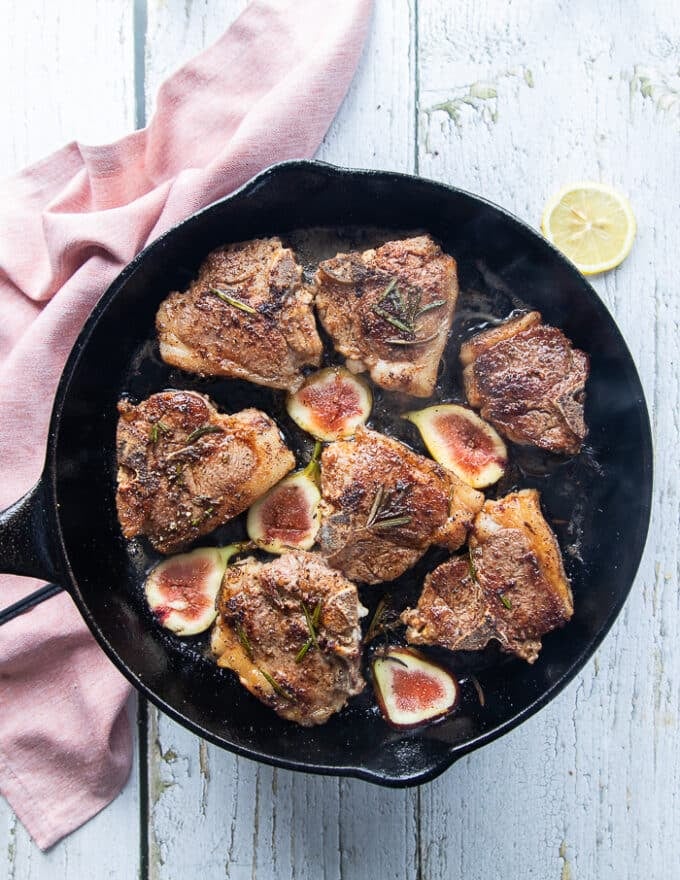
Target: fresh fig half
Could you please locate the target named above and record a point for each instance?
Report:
(331, 404)
(182, 590)
(287, 518)
(459, 440)
(411, 689)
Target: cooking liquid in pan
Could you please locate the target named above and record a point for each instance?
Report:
(484, 300)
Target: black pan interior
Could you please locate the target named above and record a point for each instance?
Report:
(597, 503)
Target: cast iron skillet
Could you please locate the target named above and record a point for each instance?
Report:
(65, 529)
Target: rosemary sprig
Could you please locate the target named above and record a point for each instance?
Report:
(388, 290)
(421, 341)
(404, 312)
(312, 625)
(392, 522)
(384, 619)
(384, 512)
(395, 322)
(232, 301)
(156, 430)
(471, 565)
(375, 506)
(200, 432)
(245, 641)
(299, 657)
(504, 599)
(281, 691)
(437, 304)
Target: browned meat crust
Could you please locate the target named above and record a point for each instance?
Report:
(529, 382)
(203, 333)
(383, 506)
(389, 311)
(184, 469)
(261, 630)
(512, 587)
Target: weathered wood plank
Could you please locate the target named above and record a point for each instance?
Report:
(209, 810)
(530, 100)
(67, 72)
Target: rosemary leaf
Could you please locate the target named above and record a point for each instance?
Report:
(277, 687)
(413, 341)
(395, 322)
(303, 650)
(153, 433)
(504, 599)
(376, 625)
(392, 522)
(316, 616)
(375, 506)
(162, 427)
(471, 565)
(244, 640)
(310, 624)
(232, 301)
(388, 290)
(200, 432)
(437, 304)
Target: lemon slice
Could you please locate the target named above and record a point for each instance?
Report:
(592, 224)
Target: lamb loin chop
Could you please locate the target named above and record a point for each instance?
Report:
(511, 588)
(529, 382)
(184, 469)
(383, 505)
(247, 315)
(389, 310)
(290, 630)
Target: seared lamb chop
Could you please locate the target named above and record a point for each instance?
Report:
(290, 630)
(184, 469)
(383, 506)
(511, 588)
(389, 311)
(247, 315)
(529, 382)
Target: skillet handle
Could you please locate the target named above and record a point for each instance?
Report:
(27, 547)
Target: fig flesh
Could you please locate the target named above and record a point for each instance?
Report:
(286, 517)
(412, 690)
(331, 404)
(182, 590)
(462, 442)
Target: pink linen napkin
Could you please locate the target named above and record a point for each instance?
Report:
(266, 91)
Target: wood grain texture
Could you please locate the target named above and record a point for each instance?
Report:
(67, 72)
(510, 100)
(533, 96)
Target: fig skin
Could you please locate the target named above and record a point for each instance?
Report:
(286, 533)
(397, 664)
(331, 404)
(182, 590)
(458, 439)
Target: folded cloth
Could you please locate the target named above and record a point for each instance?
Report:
(266, 91)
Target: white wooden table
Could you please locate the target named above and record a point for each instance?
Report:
(536, 93)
